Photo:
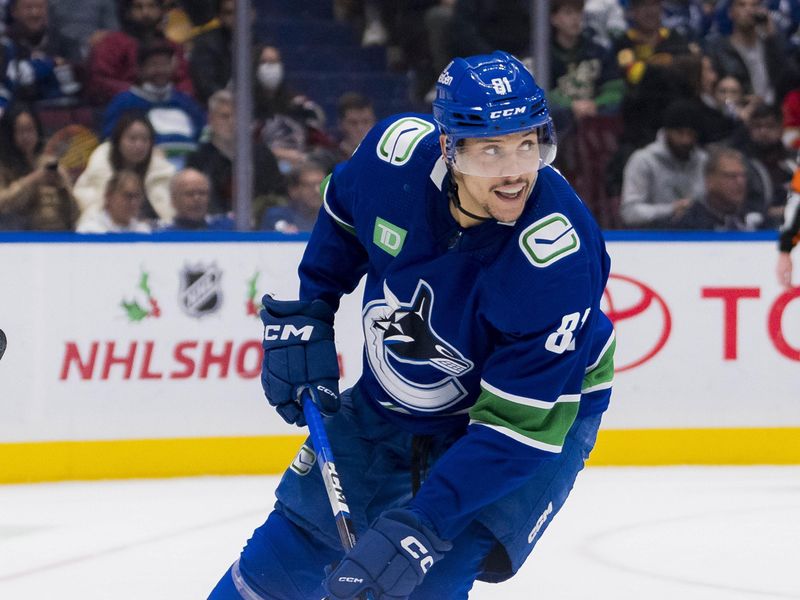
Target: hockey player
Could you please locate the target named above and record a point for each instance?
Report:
(487, 359)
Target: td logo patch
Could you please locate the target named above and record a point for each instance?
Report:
(388, 237)
(549, 240)
(399, 141)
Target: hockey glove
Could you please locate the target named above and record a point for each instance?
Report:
(390, 559)
(299, 351)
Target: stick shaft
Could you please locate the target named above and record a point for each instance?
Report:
(327, 466)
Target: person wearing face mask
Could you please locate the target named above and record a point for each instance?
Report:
(292, 125)
(113, 60)
(177, 119)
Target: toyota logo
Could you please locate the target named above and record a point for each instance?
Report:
(641, 319)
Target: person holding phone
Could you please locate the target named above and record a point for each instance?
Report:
(35, 193)
(754, 51)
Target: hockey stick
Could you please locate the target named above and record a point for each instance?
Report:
(3, 343)
(327, 467)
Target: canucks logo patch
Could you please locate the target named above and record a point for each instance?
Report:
(549, 240)
(413, 364)
(399, 141)
(303, 463)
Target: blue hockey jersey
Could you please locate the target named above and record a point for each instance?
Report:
(495, 329)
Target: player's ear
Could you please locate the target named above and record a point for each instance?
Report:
(443, 145)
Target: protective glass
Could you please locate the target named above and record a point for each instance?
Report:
(508, 155)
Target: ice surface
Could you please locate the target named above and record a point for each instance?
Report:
(711, 533)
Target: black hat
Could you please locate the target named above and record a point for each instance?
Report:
(682, 114)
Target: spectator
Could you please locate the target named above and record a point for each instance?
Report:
(753, 53)
(40, 61)
(113, 60)
(356, 117)
(303, 202)
(721, 112)
(293, 125)
(770, 165)
(732, 101)
(723, 205)
(211, 61)
(272, 95)
(790, 233)
(662, 180)
(190, 191)
(784, 13)
(84, 22)
(647, 44)
(585, 76)
(35, 192)
(123, 198)
(177, 119)
(130, 147)
(215, 158)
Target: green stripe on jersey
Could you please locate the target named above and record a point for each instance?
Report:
(323, 187)
(602, 375)
(540, 427)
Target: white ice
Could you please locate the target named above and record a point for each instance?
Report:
(671, 533)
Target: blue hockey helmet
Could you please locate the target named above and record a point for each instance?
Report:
(487, 96)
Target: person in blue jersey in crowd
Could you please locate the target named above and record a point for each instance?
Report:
(487, 360)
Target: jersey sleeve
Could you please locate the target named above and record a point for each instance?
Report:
(334, 260)
(531, 392)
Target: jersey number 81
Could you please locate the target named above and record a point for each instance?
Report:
(563, 338)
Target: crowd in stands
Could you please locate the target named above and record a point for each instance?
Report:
(151, 84)
(696, 104)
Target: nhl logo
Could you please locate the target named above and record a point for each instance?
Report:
(201, 290)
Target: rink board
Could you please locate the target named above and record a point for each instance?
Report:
(139, 357)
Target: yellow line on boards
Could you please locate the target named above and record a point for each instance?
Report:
(180, 457)
(654, 447)
(122, 459)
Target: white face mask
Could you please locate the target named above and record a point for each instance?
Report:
(270, 75)
(161, 92)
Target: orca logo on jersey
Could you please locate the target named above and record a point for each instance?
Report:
(399, 336)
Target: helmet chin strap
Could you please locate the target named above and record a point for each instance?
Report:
(452, 194)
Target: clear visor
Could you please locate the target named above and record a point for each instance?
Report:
(508, 155)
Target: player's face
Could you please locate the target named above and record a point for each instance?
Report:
(495, 175)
